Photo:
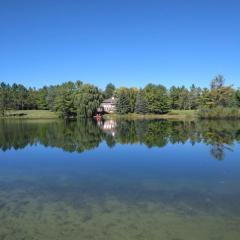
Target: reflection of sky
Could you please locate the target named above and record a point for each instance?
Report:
(172, 161)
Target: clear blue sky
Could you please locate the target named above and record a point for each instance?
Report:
(126, 42)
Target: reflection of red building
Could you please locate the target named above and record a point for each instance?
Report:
(108, 126)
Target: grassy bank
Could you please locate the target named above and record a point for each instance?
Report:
(219, 113)
(173, 114)
(45, 114)
(30, 114)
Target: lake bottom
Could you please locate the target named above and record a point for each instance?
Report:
(118, 213)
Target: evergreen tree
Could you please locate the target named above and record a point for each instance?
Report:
(174, 95)
(22, 94)
(123, 105)
(141, 105)
(237, 96)
(3, 97)
(65, 100)
(71, 99)
(194, 94)
(206, 100)
(184, 101)
(31, 99)
(15, 96)
(51, 97)
(132, 93)
(42, 98)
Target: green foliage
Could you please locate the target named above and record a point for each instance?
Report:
(18, 96)
(21, 97)
(219, 113)
(87, 100)
(132, 92)
(65, 100)
(141, 104)
(3, 104)
(206, 100)
(156, 98)
(123, 103)
(237, 97)
(130, 95)
(222, 95)
(174, 95)
(32, 99)
(194, 96)
(51, 97)
(42, 98)
(109, 90)
(72, 99)
(184, 102)
(218, 95)
(183, 99)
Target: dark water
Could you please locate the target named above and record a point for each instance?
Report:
(119, 180)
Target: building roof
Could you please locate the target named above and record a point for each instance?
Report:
(111, 100)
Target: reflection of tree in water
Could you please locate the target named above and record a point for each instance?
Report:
(110, 140)
(81, 135)
(74, 136)
(217, 151)
(126, 132)
(157, 134)
(70, 136)
(15, 134)
(220, 135)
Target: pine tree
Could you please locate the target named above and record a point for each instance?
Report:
(237, 96)
(123, 105)
(141, 105)
(2, 99)
(206, 100)
(42, 98)
(174, 95)
(132, 93)
(65, 100)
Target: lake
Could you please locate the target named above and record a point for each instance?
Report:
(119, 180)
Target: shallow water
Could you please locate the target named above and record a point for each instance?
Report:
(119, 180)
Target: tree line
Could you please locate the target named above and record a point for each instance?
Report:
(70, 99)
(76, 99)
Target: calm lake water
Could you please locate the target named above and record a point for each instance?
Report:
(124, 180)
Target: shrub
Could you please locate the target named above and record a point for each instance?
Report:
(219, 113)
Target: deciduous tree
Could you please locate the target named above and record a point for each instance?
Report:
(88, 98)
(156, 98)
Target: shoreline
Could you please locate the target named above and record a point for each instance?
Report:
(174, 115)
(46, 114)
(30, 114)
